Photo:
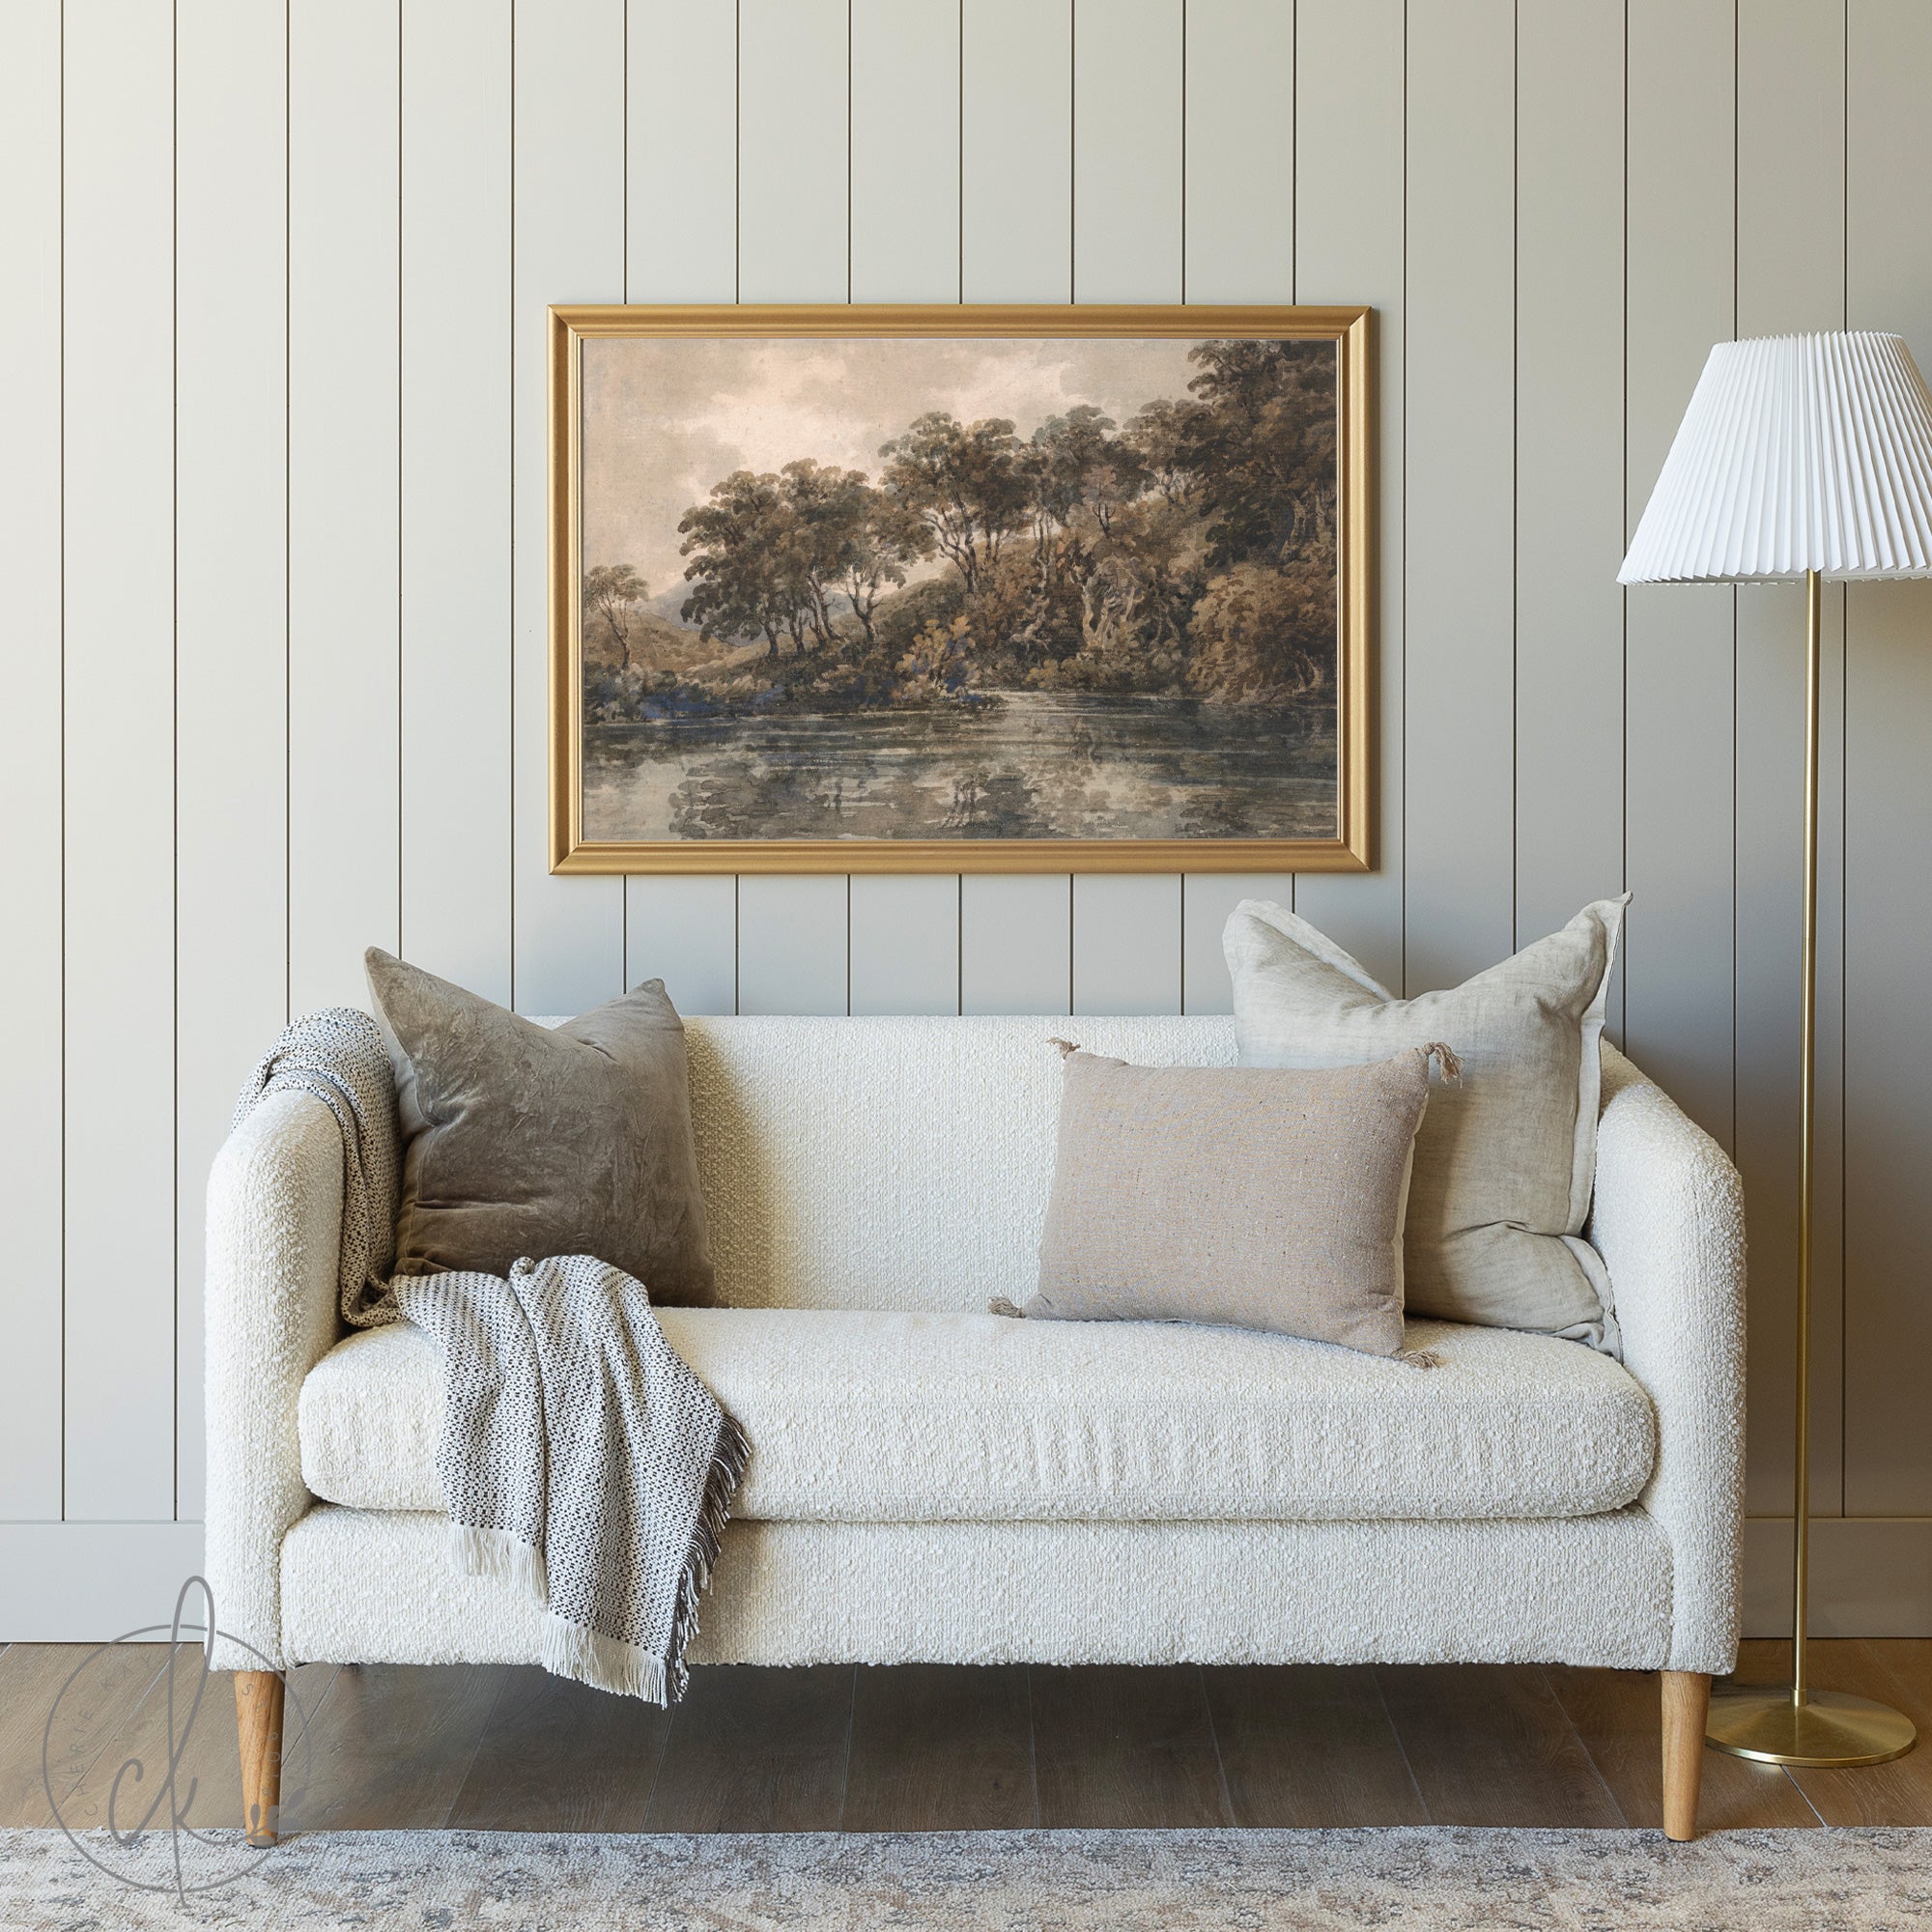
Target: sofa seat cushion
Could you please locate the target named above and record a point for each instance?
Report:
(890, 1417)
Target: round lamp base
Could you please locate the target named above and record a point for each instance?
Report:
(1830, 1730)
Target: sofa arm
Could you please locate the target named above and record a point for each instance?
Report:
(1670, 1222)
(275, 1227)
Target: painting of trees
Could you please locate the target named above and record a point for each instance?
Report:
(1190, 551)
(964, 483)
(735, 542)
(612, 595)
(1097, 599)
(770, 554)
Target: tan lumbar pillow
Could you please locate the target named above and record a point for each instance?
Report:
(1505, 1161)
(1244, 1195)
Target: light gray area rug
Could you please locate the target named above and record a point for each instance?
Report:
(1822, 1881)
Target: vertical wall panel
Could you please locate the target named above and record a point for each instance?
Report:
(791, 943)
(1889, 857)
(1570, 461)
(1016, 148)
(344, 493)
(231, 469)
(1791, 269)
(117, 560)
(1679, 640)
(683, 929)
(456, 491)
(681, 93)
(906, 150)
(1015, 943)
(1458, 651)
(567, 247)
(30, 753)
(1126, 942)
(793, 138)
(1127, 151)
(1888, 1336)
(1349, 243)
(1015, 245)
(681, 97)
(1207, 900)
(906, 942)
(1240, 235)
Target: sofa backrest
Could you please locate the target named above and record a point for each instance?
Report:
(893, 1163)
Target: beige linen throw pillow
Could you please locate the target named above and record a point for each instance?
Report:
(1254, 1198)
(1505, 1160)
(527, 1141)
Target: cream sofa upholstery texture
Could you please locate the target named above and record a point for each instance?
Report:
(930, 1482)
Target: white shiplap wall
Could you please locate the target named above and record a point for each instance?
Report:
(271, 569)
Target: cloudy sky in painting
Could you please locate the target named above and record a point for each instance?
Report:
(663, 419)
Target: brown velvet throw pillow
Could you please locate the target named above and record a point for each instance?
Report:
(521, 1139)
(1264, 1198)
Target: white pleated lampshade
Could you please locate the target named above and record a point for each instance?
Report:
(1798, 452)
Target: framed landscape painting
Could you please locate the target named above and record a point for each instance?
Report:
(959, 588)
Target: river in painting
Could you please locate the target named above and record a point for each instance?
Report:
(1014, 765)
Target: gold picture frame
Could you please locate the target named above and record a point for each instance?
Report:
(1349, 849)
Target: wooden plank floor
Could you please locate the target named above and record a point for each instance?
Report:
(930, 1748)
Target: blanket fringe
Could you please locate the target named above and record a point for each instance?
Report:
(603, 1663)
(728, 1459)
(502, 1556)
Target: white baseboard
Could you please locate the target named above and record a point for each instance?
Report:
(84, 1582)
(1871, 1576)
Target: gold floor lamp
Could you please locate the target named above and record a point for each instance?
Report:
(1799, 456)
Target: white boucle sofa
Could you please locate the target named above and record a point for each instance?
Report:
(931, 1482)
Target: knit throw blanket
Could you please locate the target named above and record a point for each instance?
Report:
(581, 1459)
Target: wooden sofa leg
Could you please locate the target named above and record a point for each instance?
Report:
(258, 1728)
(1687, 1705)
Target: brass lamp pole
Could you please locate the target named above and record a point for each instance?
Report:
(1810, 456)
(1798, 1724)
